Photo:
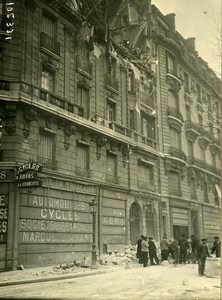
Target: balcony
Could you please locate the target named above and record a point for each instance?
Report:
(47, 163)
(49, 44)
(177, 153)
(173, 81)
(205, 137)
(174, 115)
(120, 129)
(82, 172)
(145, 185)
(112, 83)
(146, 99)
(192, 130)
(83, 66)
(203, 165)
(145, 140)
(112, 178)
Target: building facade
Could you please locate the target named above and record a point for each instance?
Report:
(124, 116)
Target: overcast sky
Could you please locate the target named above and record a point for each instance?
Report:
(200, 19)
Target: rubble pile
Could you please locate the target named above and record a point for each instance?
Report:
(124, 257)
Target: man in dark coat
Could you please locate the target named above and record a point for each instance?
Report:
(184, 246)
(144, 251)
(195, 242)
(203, 252)
(216, 247)
(174, 246)
(138, 252)
(152, 252)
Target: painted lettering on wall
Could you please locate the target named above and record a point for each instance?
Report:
(58, 203)
(52, 219)
(113, 221)
(3, 218)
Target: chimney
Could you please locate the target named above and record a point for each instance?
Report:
(171, 20)
(190, 43)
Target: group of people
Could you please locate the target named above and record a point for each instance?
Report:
(180, 249)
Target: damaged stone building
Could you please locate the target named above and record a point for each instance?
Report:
(111, 111)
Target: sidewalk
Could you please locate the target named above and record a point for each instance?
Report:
(52, 273)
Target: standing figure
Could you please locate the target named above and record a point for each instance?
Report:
(195, 243)
(164, 246)
(175, 248)
(138, 252)
(203, 252)
(216, 247)
(144, 251)
(152, 252)
(184, 246)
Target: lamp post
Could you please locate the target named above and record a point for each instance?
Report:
(92, 205)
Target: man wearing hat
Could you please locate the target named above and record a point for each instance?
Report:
(138, 252)
(203, 252)
(144, 251)
(152, 252)
(216, 247)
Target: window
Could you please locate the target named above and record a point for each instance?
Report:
(174, 183)
(202, 154)
(193, 188)
(112, 67)
(148, 126)
(49, 25)
(190, 148)
(171, 64)
(175, 139)
(46, 150)
(150, 220)
(188, 113)
(198, 94)
(82, 160)
(172, 100)
(131, 119)
(209, 102)
(146, 175)
(205, 191)
(83, 101)
(213, 160)
(111, 167)
(131, 79)
(186, 83)
(111, 111)
(47, 79)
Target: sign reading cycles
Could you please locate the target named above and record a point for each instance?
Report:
(27, 175)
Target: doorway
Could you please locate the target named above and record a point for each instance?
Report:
(135, 223)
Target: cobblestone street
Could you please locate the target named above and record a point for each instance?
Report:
(156, 282)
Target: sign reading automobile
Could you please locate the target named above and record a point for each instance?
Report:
(27, 175)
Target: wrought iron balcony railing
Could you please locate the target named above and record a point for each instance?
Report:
(82, 172)
(49, 43)
(203, 165)
(178, 153)
(175, 113)
(83, 65)
(112, 82)
(112, 178)
(146, 99)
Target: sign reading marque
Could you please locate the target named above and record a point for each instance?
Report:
(27, 175)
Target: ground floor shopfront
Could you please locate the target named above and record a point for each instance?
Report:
(53, 223)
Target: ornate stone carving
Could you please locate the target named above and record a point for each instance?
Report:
(10, 116)
(29, 115)
(69, 129)
(173, 82)
(100, 142)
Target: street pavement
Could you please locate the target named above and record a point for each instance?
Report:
(131, 282)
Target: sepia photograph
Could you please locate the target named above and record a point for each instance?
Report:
(110, 149)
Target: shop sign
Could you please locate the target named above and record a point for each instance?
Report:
(27, 175)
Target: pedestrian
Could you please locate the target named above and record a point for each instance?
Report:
(174, 250)
(152, 252)
(203, 252)
(164, 247)
(184, 246)
(138, 252)
(195, 243)
(216, 247)
(144, 251)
